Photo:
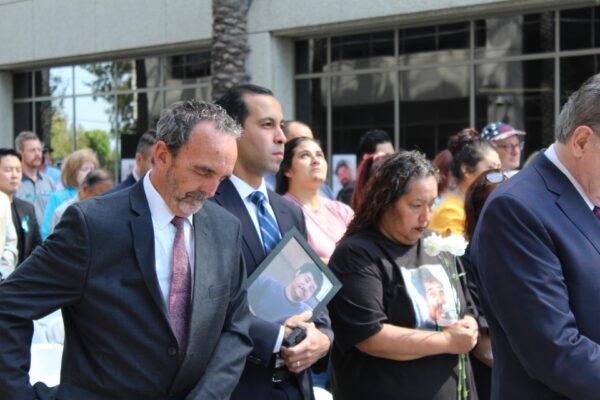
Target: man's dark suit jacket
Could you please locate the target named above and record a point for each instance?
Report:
(128, 182)
(255, 383)
(99, 267)
(537, 252)
(26, 225)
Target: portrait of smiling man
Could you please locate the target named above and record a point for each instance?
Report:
(150, 279)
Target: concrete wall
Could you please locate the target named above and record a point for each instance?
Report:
(6, 110)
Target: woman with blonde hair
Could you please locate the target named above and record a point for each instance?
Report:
(75, 167)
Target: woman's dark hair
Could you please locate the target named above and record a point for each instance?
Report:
(443, 162)
(475, 198)
(365, 171)
(467, 149)
(282, 182)
(390, 182)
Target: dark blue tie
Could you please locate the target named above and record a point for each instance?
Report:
(268, 226)
(597, 212)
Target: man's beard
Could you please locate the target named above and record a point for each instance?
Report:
(190, 202)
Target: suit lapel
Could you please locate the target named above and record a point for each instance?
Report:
(143, 244)
(281, 213)
(228, 197)
(569, 201)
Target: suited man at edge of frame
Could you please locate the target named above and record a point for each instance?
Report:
(150, 280)
(265, 218)
(537, 253)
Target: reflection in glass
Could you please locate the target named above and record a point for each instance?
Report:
(95, 119)
(311, 107)
(22, 85)
(434, 44)
(54, 82)
(198, 93)
(520, 93)
(369, 50)
(311, 55)
(54, 125)
(574, 71)
(188, 68)
(434, 104)
(514, 35)
(22, 117)
(359, 103)
(580, 28)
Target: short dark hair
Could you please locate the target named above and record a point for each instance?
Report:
(146, 141)
(341, 164)
(370, 139)
(285, 126)
(96, 177)
(233, 100)
(311, 268)
(4, 152)
(282, 182)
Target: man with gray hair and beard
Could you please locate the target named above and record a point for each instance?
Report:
(150, 280)
(537, 252)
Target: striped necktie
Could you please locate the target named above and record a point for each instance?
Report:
(268, 226)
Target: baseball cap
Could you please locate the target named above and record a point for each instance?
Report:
(499, 131)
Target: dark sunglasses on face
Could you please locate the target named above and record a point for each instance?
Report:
(496, 177)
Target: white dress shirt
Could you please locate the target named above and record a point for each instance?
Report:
(245, 190)
(551, 154)
(164, 236)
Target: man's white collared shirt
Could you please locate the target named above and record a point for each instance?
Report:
(164, 236)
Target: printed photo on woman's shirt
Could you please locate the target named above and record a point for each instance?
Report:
(432, 296)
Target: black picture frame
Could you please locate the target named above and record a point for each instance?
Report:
(281, 267)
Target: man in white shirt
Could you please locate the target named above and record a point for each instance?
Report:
(8, 239)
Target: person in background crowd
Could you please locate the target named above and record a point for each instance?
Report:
(379, 350)
(36, 187)
(475, 198)
(23, 213)
(346, 179)
(365, 171)
(150, 280)
(471, 157)
(265, 218)
(443, 162)
(8, 239)
(536, 249)
(508, 143)
(143, 161)
(374, 141)
(95, 183)
(302, 172)
(75, 167)
(48, 168)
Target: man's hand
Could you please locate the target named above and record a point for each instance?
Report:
(295, 320)
(462, 335)
(309, 351)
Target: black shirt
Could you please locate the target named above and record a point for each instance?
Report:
(373, 271)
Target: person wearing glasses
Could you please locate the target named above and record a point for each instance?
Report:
(508, 142)
(471, 157)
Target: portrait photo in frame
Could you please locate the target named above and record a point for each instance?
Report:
(291, 280)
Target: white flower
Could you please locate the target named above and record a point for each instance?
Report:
(453, 244)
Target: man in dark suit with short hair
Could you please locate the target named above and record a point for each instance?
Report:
(150, 280)
(265, 218)
(143, 161)
(23, 212)
(537, 252)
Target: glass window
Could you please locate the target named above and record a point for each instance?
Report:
(188, 68)
(370, 50)
(199, 93)
(54, 125)
(580, 28)
(311, 100)
(94, 78)
(520, 93)
(23, 117)
(434, 104)
(434, 44)
(574, 71)
(359, 103)
(311, 56)
(22, 85)
(96, 122)
(54, 82)
(514, 35)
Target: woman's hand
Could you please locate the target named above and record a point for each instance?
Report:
(462, 335)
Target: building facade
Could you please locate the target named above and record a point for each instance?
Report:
(97, 72)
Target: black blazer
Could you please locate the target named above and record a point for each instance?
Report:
(128, 182)
(255, 383)
(26, 225)
(99, 267)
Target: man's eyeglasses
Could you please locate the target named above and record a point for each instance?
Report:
(496, 177)
(510, 147)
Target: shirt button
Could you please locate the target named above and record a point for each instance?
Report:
(172, 351)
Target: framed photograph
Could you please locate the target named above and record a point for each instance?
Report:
(291, 280)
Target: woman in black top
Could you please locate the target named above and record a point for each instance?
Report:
(389, 343)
